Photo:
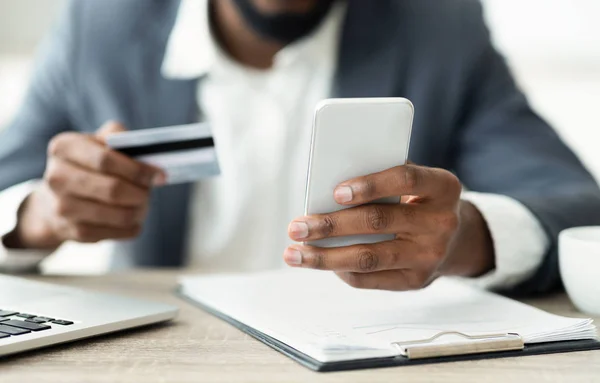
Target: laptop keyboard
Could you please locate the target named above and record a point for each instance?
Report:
(13, 323)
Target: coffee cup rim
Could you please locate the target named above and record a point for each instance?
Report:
(588, 234)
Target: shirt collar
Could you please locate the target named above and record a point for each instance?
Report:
(192, 51)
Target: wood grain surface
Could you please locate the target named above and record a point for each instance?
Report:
(199, 348)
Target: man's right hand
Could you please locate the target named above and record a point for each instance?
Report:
(89, 193)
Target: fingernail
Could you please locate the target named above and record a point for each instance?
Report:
(298, 230)
(159, 179)
(343, 194)
(292, 257)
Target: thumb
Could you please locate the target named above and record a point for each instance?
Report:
(110, 127)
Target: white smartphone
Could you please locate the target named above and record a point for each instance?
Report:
(352, 138)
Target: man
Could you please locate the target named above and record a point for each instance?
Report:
(255, 69)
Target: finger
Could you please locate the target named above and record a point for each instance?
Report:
(366, 219)
(110, 127)
(427, 183)
(388, 255)
(158, 176)
(95, 213)
(86, 233)
(65, 178)
(92, 154)
(394, 280)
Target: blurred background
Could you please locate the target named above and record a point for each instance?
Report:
(553, 47)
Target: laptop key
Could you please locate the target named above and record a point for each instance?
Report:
(26, 316)
(4, 336)
(62, 322)
(44, 319)
(26, 325)
(36, 320)
(6, 313)
(3, 319)
(12, 330)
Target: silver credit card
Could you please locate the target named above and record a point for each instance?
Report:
(186, 152)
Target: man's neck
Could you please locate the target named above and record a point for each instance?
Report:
(238, 39)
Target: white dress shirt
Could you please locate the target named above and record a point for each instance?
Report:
(261, 122)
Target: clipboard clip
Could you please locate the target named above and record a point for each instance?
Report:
(469, 344)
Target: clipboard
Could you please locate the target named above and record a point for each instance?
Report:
(418, 352)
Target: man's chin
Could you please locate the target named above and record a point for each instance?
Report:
(283, 26)
(271, 7)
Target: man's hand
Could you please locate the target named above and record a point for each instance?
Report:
(436, 233)
(89, 193)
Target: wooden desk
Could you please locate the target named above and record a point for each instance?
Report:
(200, 348)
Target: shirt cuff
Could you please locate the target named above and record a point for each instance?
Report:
(12, 260)
(520, 242)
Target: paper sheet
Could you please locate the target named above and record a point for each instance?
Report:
(317, 314)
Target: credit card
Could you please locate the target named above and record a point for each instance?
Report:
(186, 152)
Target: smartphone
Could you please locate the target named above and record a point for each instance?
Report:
(352, 138)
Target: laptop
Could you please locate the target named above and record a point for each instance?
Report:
(35, 315)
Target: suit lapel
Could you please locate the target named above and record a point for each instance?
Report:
(166, 101)
(367, 67)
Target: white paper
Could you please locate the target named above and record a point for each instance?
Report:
(319, 315)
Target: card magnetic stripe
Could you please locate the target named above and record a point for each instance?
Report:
(166, 147)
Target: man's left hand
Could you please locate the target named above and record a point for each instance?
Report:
(435, 231)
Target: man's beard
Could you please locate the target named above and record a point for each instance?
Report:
(283, 27)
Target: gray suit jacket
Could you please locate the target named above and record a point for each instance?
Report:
(103, 62)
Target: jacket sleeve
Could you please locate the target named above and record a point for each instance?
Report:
(45, 111)
(503, 147)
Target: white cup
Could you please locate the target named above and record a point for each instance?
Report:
(579, 261)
